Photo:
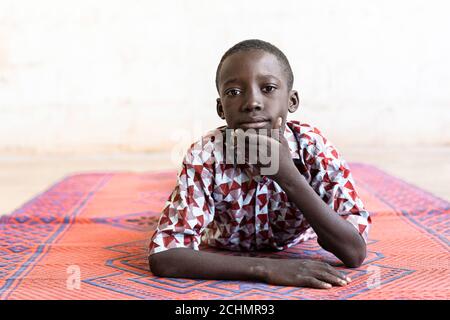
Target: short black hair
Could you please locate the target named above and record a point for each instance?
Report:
(255, 44)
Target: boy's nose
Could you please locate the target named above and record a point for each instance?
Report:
(253, 102)
(252, 106)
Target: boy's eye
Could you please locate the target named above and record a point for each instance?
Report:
(269, 88)
(233, 92)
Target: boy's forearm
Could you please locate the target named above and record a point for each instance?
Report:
(335, 234)
(188, 263)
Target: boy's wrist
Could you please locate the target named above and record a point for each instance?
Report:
(288, 177)
(260, 269)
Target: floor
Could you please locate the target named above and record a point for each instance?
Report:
(21, 178)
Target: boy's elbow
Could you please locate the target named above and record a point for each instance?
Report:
(156, 266)
(356, 259)
(162, 264)
(354, 263)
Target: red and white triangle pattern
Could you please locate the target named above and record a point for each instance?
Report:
(232, 207)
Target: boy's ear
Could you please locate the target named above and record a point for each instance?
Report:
(294, 101)
(220, 109)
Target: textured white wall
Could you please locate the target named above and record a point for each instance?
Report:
(110, 75)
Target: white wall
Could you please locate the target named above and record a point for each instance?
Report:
(110, 75)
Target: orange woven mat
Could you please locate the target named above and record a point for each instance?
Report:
(86, 237)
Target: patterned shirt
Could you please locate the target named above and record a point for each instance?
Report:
(232, 207)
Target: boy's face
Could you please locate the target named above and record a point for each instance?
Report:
(253, 91)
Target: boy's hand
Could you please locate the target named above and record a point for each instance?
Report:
(302, 273)
(280, 155)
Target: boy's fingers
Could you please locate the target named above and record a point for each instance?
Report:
(252, 137)
(253, 142)
(337, 273)
(276, 127)
(315, 283)
(278, 123)
(331, 278)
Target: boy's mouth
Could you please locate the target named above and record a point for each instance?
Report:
(255, 123)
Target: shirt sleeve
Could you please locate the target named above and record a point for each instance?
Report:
(190, 207)
(331, 178)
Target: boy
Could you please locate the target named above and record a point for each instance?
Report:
(235, 207)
